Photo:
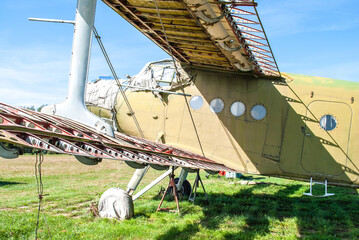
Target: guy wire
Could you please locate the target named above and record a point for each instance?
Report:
(40, 191)
(178, 78)
(98, 38)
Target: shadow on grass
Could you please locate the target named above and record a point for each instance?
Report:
(177, 233)
(251, 215)
(5, 183)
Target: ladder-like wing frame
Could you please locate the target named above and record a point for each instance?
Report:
(225, 35)
(28, 129)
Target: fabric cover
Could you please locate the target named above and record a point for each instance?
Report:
(159, 75)
(102, 93)
(154, 75)
(116, 203)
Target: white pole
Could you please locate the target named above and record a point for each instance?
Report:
(85, 17)
(74, 107)
(152, 184)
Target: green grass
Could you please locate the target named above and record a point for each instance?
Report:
(272, 209)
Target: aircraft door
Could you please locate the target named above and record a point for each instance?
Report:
(320, 154)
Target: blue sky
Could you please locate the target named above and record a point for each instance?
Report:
(318, 38)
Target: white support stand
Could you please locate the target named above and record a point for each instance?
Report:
(192, 196)
(325, 183)
(152, 184)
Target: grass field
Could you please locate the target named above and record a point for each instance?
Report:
(271, 209)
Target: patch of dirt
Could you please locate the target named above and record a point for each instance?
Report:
(6, 209)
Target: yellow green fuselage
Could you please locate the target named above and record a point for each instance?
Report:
(288, 142)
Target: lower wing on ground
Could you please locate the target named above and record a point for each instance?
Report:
(22, 128)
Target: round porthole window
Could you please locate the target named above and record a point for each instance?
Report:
(238, 109)
(216, 105)
(196, 102)
(258, 112)
(328, 122)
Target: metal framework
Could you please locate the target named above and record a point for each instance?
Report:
(325, 183)
(225, 35)
(28, 129)
(244, 18)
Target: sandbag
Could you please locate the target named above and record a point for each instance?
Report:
(116, 203)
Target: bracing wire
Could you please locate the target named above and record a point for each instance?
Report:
(98, 38)
(178, 78)
(40, 191)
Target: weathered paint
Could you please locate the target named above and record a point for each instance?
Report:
(288, 142)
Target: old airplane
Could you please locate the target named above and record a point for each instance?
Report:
(243, 112)
(221, 97)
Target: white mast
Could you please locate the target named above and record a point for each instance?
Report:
(74, 106)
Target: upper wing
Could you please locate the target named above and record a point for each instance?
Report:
(226, 35)
(29, 129)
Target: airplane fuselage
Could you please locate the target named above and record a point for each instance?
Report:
(255, 125)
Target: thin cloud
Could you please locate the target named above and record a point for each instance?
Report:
(287, 17)
(34, 69)
(343, 71)
(26, 97)
(30, 76)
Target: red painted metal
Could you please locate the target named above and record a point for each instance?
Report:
(28, 129)
(244, 20)
(240, 26)
(172, 185)
(237, 11)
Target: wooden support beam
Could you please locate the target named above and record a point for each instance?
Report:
(209, 62)
(177, 26)
(165, 16)
(198, 49)
(204, 55)
(181, 32)
(177, 11)
(192, 39)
